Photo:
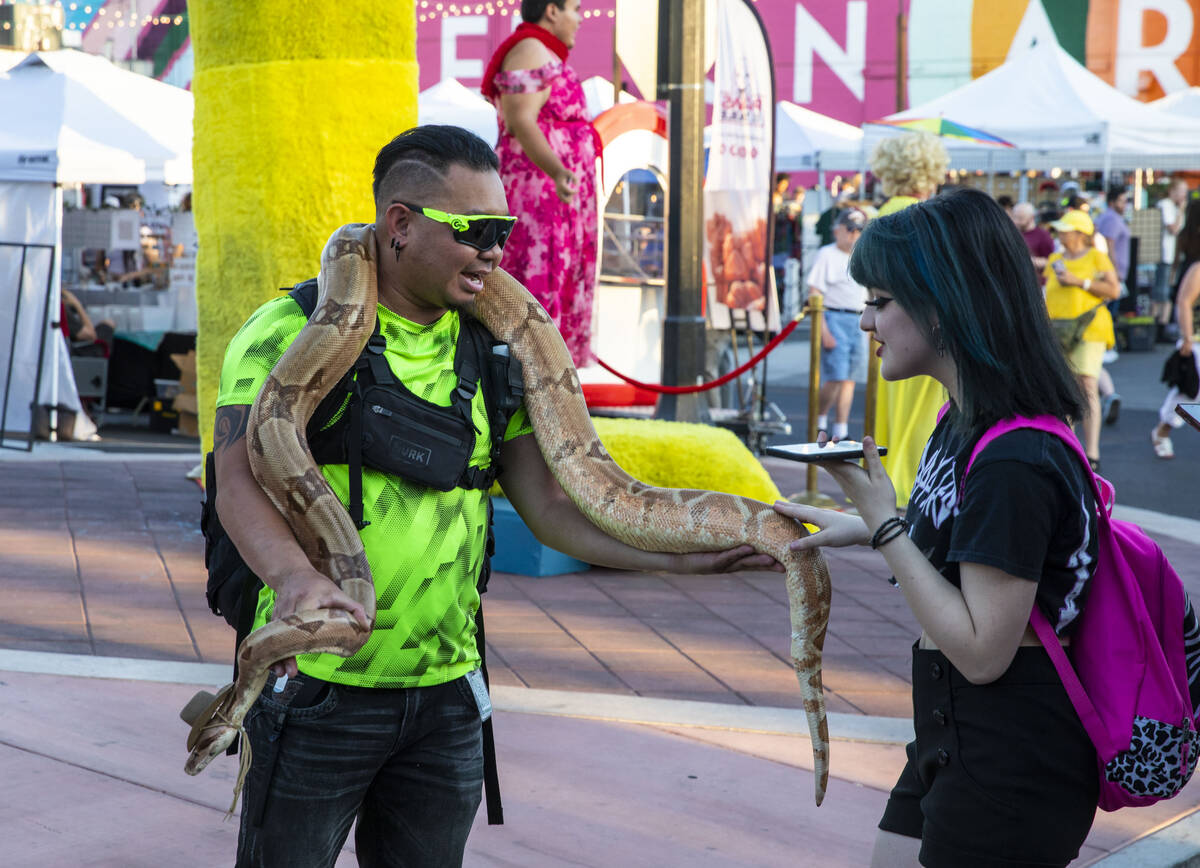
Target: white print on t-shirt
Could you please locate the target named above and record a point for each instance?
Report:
(1080, 562)
(935, 492)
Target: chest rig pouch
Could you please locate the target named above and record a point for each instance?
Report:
(383, 425)
(407, 436)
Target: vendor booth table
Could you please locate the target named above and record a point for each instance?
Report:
(71, 118)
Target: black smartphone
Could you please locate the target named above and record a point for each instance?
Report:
(809, 452)
(1190, 413)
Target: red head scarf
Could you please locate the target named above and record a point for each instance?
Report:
(524, 31)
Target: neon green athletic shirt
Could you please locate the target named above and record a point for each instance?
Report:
(425, 547)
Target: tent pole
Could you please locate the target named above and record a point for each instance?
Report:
(55, 307)
(616, 58)
(1107, 168)
(12, 358)
(820, 186)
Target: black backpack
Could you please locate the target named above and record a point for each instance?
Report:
(336, 434)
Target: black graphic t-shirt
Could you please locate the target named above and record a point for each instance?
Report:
(1027, 509)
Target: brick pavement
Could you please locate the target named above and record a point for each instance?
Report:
(104, 558)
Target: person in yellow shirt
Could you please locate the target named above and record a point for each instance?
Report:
(909, 168)
(1079, 280)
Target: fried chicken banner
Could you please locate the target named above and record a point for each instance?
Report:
(737, 186)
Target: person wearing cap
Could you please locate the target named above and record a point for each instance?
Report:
(1080, 279)
(824, 227)
(843, 343)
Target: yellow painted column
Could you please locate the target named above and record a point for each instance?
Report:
(293, 101)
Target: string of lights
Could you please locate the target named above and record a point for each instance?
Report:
(430, 10)
(103, 16)
(427, 10)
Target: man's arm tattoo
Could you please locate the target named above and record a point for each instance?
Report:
(229, 426)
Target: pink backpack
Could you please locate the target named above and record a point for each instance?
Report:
(1127, 675)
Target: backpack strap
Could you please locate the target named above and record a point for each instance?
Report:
(1084, 707)
(491, 771)
(305, 295)
(1102, 489)
(501, 378)
(468, 362)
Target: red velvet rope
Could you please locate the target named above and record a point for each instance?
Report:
(704, 387)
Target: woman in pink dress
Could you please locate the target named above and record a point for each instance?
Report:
(547, 151)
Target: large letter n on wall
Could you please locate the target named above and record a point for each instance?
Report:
(847, 63)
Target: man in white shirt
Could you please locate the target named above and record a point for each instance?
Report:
(843, 343)
(1172, 221)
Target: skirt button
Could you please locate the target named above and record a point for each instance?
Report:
(939, 716)
(943, 758)
(936, 671)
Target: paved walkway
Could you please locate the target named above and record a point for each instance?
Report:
(644, 719)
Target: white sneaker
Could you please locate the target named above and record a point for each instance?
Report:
(1163, 447)
(1111, 356)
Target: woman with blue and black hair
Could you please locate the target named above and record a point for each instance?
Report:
(1001, 772)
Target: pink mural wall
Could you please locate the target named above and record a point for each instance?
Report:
(837, 58)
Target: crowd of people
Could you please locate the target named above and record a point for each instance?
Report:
(1080, 248)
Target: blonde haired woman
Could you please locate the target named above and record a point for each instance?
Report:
(909, 168)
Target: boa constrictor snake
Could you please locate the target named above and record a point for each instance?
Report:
(647, 518)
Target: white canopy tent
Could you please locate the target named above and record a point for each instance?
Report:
(80, 119)
(1183, 102)
(1056, 113)
(807, 141)
(449, 102)
(70, 118)
(598, 92)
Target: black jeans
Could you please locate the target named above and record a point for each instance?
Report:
(407, 763)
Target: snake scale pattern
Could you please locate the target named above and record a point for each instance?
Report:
(648, 518)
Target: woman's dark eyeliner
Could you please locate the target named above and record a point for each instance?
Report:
(878, 303)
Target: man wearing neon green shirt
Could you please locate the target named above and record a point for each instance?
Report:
(392, 736)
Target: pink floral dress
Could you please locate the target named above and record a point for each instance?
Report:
(552, 250)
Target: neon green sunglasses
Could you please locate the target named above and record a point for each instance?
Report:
(481, 231)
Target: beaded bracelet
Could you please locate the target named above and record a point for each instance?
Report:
(889, 530)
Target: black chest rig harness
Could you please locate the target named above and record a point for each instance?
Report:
(371, 419)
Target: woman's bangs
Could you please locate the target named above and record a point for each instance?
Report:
(878, 260)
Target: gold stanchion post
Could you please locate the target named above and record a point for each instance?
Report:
(815, 309)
